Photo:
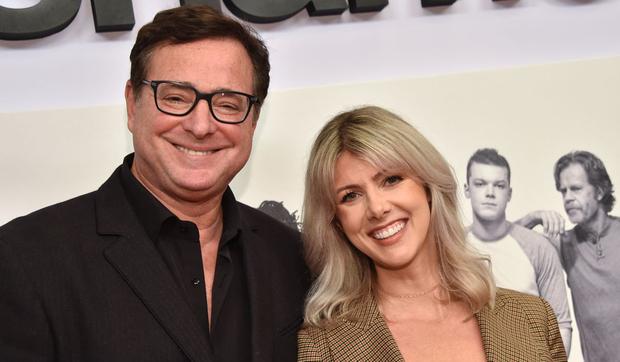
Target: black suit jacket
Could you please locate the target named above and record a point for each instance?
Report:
(81, 281)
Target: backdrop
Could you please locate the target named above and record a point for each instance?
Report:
(534, 79)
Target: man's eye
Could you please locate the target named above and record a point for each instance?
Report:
(227, 107)
(175, 99)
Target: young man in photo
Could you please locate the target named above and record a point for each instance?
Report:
(521, 259)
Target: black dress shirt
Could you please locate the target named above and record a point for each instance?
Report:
(179, 246)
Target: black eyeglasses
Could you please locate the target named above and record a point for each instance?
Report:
(179, 99)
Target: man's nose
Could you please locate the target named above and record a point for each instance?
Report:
(200, 122)
(490, 191)
(568, 196)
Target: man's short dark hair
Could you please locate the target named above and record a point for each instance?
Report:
(487, 156)
(186, 24)
(595, 170)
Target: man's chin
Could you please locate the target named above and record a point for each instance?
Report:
(489, 217)
(576, 220)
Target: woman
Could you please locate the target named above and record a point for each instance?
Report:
(394, 278)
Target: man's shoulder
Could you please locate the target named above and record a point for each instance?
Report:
(615, 221)
(62, 214)
(522, 233)
(538, 248)
(50, 233)
(65, 214)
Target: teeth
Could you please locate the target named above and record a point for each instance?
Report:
(386, 233)
(193, 152)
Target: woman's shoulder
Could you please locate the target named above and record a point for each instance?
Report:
(312, 331)
(316, 342)
(312, 344)
(504, 296)
(346, 336)
(522, 317)
(534, 308)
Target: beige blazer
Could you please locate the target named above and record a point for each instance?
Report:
(519, 328)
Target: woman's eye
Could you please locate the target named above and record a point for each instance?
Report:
(347, 197)
(391, 180)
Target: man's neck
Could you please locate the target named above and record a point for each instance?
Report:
(208, 216)
(597, 223)
(490, 230)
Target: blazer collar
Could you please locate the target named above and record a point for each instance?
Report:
(136, 259)
(364, 324)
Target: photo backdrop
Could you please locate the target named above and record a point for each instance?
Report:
(533, 78)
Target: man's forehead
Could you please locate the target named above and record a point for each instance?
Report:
(219, 60)
(574, 177)
(216, 47)
(485, 171)
(574, 173)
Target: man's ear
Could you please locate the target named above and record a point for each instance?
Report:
(466, 189)
(256, 110)
(599, 194)
(130, 104)
(509, 193)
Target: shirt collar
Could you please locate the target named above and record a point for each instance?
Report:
(232, 219)
(585, 234)
(152, 213)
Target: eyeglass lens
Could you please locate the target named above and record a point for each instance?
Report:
(178, 99)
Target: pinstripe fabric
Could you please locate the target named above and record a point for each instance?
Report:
(520, 328)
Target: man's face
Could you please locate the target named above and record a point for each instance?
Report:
(489, 191)
(581, 199)
(192, 157)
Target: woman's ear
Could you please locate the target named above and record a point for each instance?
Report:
(429, 196)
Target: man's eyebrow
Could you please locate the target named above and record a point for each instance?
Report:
(220, 90)
(177, 82)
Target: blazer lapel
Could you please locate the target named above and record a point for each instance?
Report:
(256, 263)
(350, 339)
(135, 258)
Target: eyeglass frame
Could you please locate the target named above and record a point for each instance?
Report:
(199, 96)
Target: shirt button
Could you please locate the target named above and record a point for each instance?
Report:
(196, 281)
(183, 228)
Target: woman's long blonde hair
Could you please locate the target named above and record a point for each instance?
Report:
(343, 275)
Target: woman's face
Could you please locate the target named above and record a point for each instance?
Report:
(385, 215)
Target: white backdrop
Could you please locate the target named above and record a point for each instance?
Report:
(78, 67)
(534, 78)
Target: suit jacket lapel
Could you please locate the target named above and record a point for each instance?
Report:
(134, 256)
(257, 270)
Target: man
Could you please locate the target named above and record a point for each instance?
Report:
(590, 252)
(521, 259)
(162, 263)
